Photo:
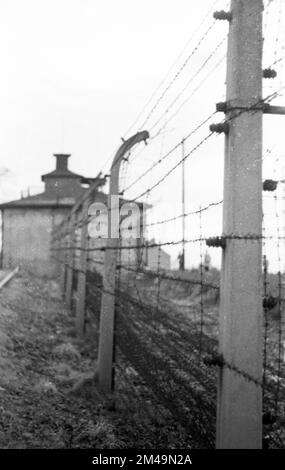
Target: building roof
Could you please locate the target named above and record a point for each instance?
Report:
(39, 201)
(44, 200)
(61, 174)
(51, 197)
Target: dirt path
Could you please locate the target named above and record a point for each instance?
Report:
(40, 362)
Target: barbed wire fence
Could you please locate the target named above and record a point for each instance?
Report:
(168, 350)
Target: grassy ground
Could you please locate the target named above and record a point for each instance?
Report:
(45, 399)
(48, 396)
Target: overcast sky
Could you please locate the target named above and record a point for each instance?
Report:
(76, 73)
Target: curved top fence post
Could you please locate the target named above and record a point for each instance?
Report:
(107, 314)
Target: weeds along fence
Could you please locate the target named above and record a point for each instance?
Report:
(197, 347)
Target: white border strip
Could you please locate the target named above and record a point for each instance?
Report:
(9, 277)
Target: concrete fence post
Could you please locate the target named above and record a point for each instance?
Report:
(62, 256)
(81, 287)
(239, 414)
(107, 314)
(70, 259)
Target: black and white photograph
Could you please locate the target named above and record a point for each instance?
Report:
(142, 230)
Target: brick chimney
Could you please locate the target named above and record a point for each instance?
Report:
(61, 161)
